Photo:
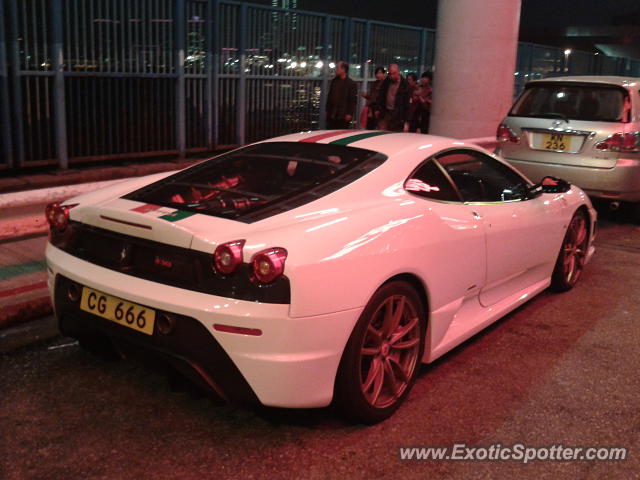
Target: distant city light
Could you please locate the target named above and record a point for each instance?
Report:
(332, 65)
(567, 51)
(303, 65)
(319, 64)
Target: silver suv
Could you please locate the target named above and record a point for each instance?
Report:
(583, 129)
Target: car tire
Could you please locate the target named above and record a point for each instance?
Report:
(382, 358)
(572, 254)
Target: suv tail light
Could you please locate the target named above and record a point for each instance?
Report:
(58, 215)
(505, 134)
(227, 257)
(268, 265)
(621, 142)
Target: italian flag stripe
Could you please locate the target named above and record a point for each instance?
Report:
(322, 136)
(149, 207)
(164, 213)
(177, 215)
(355, 138)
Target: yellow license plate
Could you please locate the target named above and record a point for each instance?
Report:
(556, 141)
(120, 311)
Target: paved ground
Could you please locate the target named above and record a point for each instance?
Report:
(563, 369)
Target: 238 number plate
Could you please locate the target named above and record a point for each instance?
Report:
(125, 313)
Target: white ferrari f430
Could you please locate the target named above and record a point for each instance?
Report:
(313, 268)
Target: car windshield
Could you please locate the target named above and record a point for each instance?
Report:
(261, 180)
(579, 102)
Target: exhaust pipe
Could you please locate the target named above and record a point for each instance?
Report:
(613, 206)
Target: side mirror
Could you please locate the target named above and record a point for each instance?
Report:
(554, 185)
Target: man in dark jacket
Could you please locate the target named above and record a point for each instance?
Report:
(393, 101)
(342, 98)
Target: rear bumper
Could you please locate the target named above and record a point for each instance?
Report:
(292, 364)
(621, 183)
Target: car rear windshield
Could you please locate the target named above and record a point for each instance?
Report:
(577, 102)
(261, 180)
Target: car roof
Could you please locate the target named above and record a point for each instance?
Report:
(387, 143)
(609, 80)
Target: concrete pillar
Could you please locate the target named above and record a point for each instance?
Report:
(476, 47)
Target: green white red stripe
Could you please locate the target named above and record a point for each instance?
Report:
(164, 213)
(344, 140)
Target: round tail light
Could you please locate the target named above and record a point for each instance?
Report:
(268, 265)
(58, 215)
(227, 257)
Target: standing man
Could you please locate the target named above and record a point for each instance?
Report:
(422, 97)
(393, 101)
(342, 98)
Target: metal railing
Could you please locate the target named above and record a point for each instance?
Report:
(85, 80)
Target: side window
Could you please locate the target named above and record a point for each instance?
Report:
(428, 181)
(480, 178)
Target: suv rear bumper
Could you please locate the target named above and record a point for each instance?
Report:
(621, 183)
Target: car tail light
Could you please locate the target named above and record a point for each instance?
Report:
(621, 142)
(58, 215)
(268, 265)
(227, 257)
(505, 134)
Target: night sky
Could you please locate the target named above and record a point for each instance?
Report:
(535, 14)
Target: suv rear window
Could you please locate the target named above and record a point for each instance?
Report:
(261, 180)
(577, 102)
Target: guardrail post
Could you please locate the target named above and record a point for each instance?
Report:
(180, 32)
(5, 118)
(57, 62)
(16, 85)
(241, 98)
(423, 52)
(324, 89)
(211, 95)
(346, 40)
(366, 66)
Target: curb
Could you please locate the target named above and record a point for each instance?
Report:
(64, 178)
(35, 331)
(52, 194)
(12, 315)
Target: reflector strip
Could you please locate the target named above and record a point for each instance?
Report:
(355, 138)
(256, 332)
(322, 136)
